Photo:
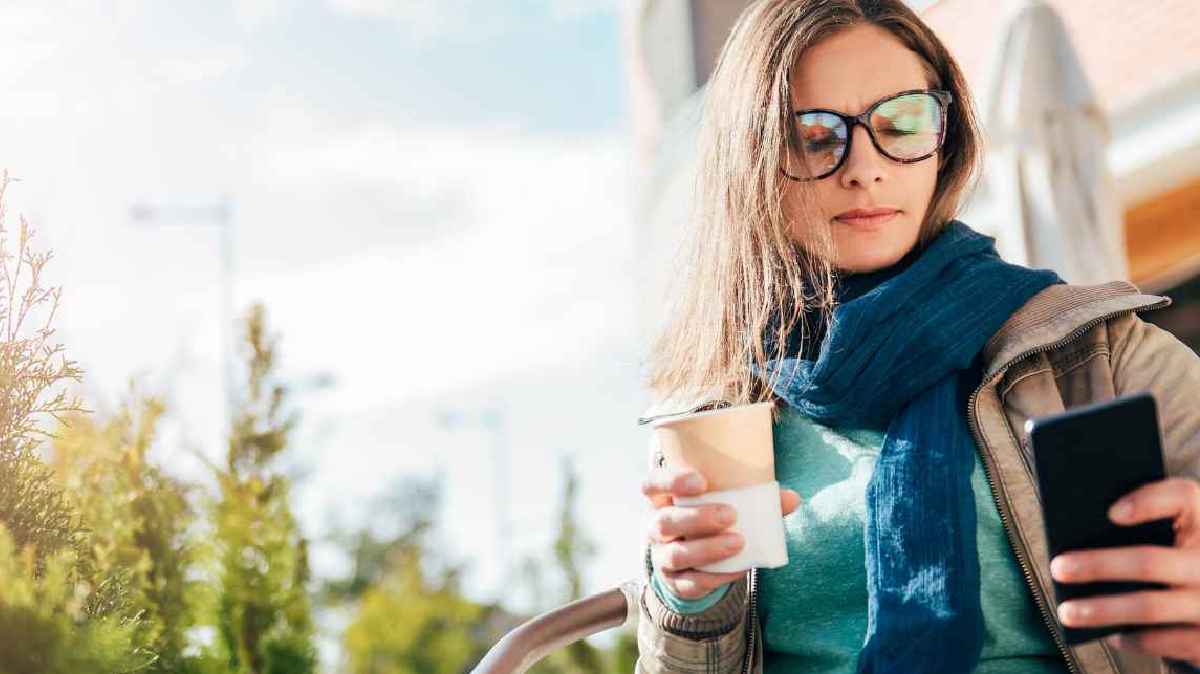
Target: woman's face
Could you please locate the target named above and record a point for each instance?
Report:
(848, 72)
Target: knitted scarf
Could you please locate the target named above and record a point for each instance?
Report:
(890, 359)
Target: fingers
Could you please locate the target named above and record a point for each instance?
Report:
(1180, 643)
(664, 482)
(789, 500)
(1133, 608)
(672, 522)
(1177, 498)
(682, 555)
(1173, 566)
(695, 584)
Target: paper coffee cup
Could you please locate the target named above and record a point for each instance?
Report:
(759, 521)
(733, 448)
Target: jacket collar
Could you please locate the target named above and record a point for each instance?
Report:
(1059, 313)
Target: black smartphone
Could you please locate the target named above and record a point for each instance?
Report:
(1087, 458)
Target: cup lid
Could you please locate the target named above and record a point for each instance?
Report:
(701, 410)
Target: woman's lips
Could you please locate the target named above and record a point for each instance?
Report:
(867, 220)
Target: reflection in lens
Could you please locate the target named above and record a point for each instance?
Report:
(908, 126)
(822, 141)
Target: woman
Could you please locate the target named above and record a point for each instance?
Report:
(830, 276)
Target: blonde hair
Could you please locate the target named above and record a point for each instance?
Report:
(744, 277)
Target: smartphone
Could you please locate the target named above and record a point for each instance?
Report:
(1086, 458)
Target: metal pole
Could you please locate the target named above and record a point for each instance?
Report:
(225, 217)
(500, 476)
(222, 214)
(492, 420)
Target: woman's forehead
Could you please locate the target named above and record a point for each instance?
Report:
(854, 68)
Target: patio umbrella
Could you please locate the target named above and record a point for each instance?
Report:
(1047, 192)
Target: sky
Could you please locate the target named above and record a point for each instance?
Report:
(432, 200)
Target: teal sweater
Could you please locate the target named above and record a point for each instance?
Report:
(814, 610)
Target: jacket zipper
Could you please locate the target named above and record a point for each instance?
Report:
(752, 627)
(1022, 556)
(1040, 600)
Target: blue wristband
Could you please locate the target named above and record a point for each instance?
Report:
(686, 606)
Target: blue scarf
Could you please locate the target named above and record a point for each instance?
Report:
(899, 339)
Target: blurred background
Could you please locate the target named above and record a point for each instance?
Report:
(364, 286)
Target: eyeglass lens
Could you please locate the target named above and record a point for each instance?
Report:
(906, 127)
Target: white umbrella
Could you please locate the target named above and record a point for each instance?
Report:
(1047, 193)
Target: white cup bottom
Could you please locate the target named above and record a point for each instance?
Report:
(759, 520)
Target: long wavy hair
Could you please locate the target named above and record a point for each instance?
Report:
(747, 284)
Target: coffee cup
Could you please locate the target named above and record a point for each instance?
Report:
(733, 448)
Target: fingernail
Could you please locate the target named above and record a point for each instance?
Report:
(1062, 567)
(1066, 613)
(1122, 510)
(726, 516)
(1072, 612)
(693, 482)
(733, 541)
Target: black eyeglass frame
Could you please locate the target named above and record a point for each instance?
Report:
(944, 98)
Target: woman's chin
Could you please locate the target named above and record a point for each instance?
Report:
(866, 266)
(873, 255)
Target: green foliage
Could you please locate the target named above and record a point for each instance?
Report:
(57, 613)
(407, 625)
(108, 565)
(32, 506)
(572, 549)
(263, 612)
(45, 627)
(409, 617)
(402, 526)
(138, 520)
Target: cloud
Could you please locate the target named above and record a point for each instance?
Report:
(410, 261)
(528, 241)
(253, 14)
(571, 10)
(426, 21)
(211, 63)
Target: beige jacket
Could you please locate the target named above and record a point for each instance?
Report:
(1067, 346)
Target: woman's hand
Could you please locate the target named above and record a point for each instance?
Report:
(684, 537)
(1177, 567)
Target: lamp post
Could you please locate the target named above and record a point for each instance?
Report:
(221, 214)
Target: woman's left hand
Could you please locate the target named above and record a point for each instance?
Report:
(1177, 567)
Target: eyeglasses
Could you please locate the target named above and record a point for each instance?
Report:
(905, 127)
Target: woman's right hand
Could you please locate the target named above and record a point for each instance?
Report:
(685, 537)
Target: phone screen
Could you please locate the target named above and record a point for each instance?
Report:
(1087, 458)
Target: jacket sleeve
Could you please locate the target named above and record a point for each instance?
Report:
(708, 642)
(1146, 357)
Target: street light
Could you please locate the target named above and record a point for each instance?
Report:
(221, 214)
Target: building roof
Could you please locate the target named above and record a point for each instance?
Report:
(1129, 49)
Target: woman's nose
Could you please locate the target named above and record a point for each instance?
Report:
(865, 165)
